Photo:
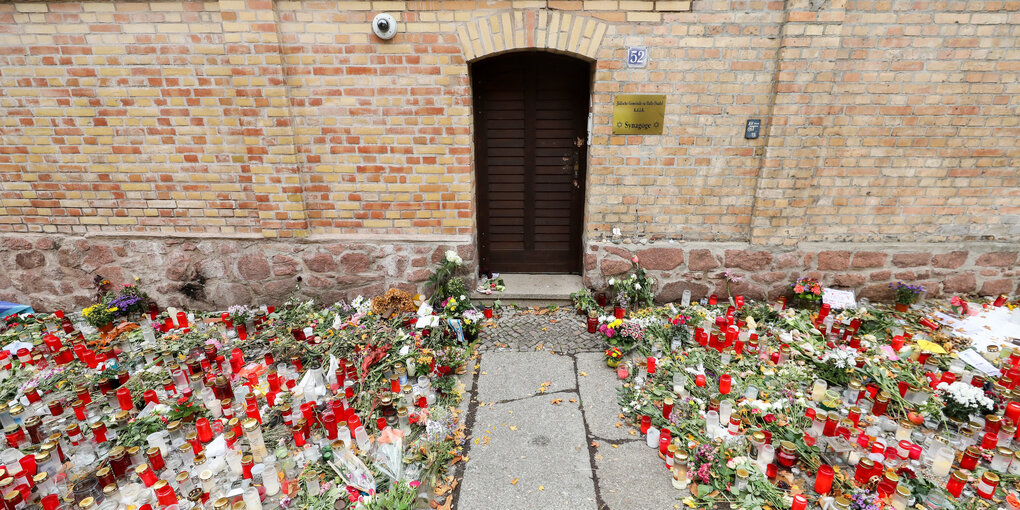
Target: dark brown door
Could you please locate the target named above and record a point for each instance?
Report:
(531, 117)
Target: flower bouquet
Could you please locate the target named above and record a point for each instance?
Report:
(807, 292)
(906, 295)
(613, 357)
(963, 400)
(100, 316)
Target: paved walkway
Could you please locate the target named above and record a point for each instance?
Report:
(543, 425)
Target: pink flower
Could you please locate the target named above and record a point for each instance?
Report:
(634, 259)
(798, 289)
(414, 484)
(816, 290)
(956, 301)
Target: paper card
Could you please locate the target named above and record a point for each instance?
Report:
(839, 299)
(889, 353)
(979, 362)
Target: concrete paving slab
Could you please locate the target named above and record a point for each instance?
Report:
(513, 375)
(531, 454)
(599, 396)
(632, 476)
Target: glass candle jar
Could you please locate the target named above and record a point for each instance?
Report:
(887, 485)
(146, 474)
(863, 472)
(823, 479)
(164, 493)
(956, 483)
(1001, 459)
(970, 458)
(900, 498)
(986, 486)
(881, 404)
(787, 455)
(942, 463)
(253, 431)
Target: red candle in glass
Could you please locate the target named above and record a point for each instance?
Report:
(182, 320)
(252, 411)
(989, 441)
(298, 432)
(823, 480)
(999, 301)
(204, 430)
(155, 457)
(79, 410)
(124, 399)
(1013, 411)
(150, 397)
(651, 364)
(664, 437)
(667, 409)
(799, 502)
(713, 299)
(646, 423)
(329, 423)
(242, 332)
(699, 380)
(395, 385)
(956, 483)
(725, 382)
(147, 476)
(593, 324)
(488, 313)
(165, 495)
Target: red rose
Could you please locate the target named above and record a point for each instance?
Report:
(769, 418)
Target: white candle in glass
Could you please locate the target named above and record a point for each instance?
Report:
(725, 410)
(652, 437)
(252, 500)
(818, 390)
(942, 464)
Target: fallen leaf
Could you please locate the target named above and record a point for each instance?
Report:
(619, 425)
(573, 401)
(616, 446)
(541, 487)
(557, 401)
(513, 427)
(593, 443)
(514, 482)
(583, 374)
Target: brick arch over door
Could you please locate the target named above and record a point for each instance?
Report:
(515, 30)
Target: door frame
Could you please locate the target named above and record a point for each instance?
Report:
(481, 173)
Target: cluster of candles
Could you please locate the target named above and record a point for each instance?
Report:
(850, 426)
(221, 462)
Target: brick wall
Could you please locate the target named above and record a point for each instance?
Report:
(883, 122)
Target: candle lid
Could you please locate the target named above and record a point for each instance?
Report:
(88, 502)
(990, 477)
(221, 504)
(174, 426)
(141, 468)
(250, 424)
(182, 477)
(117, 451)
(959, 475)
(42, 457)
(40, 477)
(109, 489)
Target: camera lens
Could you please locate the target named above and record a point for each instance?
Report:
(383, 25)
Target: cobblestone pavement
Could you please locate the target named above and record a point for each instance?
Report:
(560, 330)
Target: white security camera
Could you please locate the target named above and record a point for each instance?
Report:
(384, 26)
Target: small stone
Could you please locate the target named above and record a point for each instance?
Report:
(253, 267)
(848, 280)
(868, 259)
(661, 259)
(701, 260)
(285, 266)
(321, 263)
(880, 276)
(963, 283)
(674, 291)
(911, 259)
(615, 266)
(997, 259)
(30, 259)
(996, 287)
(833, 260)
(748, 260)
(951, 260)
(355, 262)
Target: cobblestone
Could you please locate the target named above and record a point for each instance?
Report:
(528, 329)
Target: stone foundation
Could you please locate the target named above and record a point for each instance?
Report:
(51, 272)
(985, 269)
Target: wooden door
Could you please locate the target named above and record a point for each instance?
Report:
(531, 117)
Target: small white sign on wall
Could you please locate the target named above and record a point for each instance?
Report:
(637, 56)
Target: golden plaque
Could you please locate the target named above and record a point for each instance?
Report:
(638, 114)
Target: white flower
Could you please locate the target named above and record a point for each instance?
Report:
(612, 281)
(451, 256)
(637, 286)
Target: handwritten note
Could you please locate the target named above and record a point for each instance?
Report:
(972, 358)
(839, 299)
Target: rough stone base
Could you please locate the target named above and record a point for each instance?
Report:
(986, 268)
(51, 272)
